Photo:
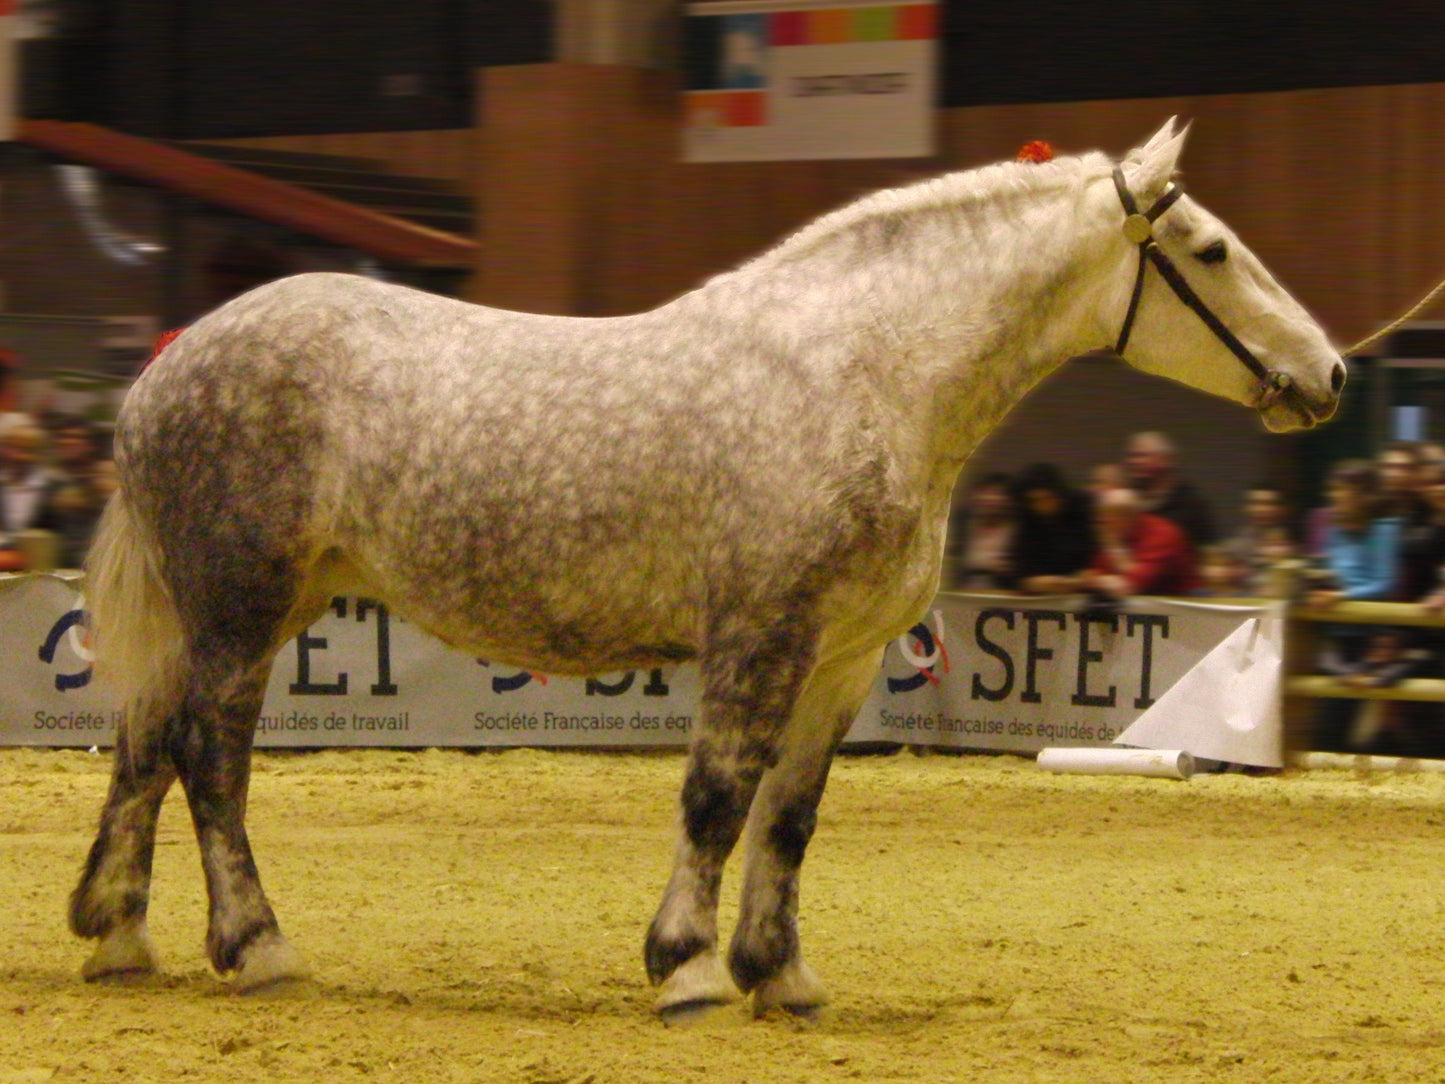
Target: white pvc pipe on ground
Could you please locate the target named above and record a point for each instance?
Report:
(1161, 763)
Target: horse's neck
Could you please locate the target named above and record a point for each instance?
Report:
(943, 325)
(962, 316)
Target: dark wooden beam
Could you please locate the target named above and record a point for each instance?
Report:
(383, 236)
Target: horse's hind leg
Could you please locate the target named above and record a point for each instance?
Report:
(111, 900)
(765, 956)
(211, 749)
(239, 611)
(750, 680)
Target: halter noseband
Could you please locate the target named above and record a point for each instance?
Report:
(1139, 229)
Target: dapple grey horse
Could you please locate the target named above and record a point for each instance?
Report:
(755, 476)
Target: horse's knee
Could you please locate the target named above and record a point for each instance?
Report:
(716, 796)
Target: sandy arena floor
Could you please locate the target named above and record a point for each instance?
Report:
(480, 918)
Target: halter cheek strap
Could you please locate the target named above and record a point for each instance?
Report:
(1139, 229)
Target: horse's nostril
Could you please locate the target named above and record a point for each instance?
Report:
(1337, 377)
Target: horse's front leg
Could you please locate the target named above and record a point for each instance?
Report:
(750, 682)
(212, 753)
(765, 956)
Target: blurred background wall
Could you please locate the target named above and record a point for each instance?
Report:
(1315, 136)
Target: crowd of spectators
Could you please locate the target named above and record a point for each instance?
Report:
(54, 483)
(1142, 528)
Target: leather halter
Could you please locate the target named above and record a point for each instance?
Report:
(1139, 228)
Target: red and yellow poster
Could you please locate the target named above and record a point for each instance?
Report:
(798, 79)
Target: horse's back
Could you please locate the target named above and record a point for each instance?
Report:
(588, 485)
(464, 462)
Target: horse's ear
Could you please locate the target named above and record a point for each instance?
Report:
(1149, 168)
(1166, 131)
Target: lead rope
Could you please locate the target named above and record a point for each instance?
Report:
(1413, 311)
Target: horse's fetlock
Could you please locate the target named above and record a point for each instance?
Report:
(751, 968)
(664, 955)
(94, 912)
(759, 953)
(225, 950)
(86, 919)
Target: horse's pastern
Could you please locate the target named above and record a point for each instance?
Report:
(690, 1013)
(697, 984)
(796, 990)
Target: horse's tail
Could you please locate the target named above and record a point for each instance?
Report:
(135, 631)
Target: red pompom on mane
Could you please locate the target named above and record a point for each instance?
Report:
(165, 340)
(1037, 151)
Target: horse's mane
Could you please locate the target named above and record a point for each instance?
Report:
(959, 191)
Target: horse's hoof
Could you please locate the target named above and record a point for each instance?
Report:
(124, 952)
(687, 1013)
(795, 989)
(267, 964)
(696, 987)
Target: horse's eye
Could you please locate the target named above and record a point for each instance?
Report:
(1215, 253)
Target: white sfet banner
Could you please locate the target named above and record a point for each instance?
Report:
(772, 80)
(980, 672)
(1022, 674)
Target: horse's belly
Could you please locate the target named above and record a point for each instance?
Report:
(575, 648)
(595, 627)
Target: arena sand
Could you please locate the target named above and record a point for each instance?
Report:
(479, 917)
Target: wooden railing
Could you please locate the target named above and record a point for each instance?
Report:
(383, 236)
(1303, 685)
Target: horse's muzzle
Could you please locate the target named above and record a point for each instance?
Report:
(1287, 406)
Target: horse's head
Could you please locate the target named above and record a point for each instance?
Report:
(1197, 306)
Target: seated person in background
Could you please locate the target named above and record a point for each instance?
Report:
(1222, 574)
(1418, 728)
(981, 538)
(1361, 544)
(1422, 552)
(1361, 547)
(1055, 536)
(1432, 464)
(26, 489)
(1398, 465)
(1104, 477)
(1139, 553)
(1264, 540)
(78, 493)
(1151, 466)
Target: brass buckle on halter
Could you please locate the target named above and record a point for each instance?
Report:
(1138, 228)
